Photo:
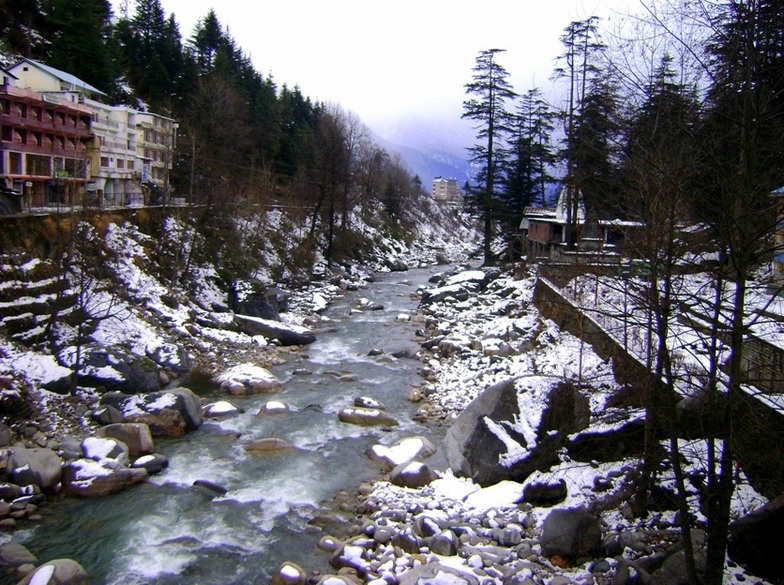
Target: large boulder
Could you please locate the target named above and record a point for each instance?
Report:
(255, 300)
(57, 572)
(112, 368)
(283, 333)
(459, 286)
(171, 356)
(757, 539)
(248, 379)
(102, 448)
(169, 413)
(88, 478)
(571, 533)
(136, 436)
(514, 428)
(617, 436)
(37, 466)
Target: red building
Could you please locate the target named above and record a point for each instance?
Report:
(44, 143)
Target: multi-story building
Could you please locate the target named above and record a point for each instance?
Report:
(114, 158)
(157, 138)
(44, 144)
(132, 151)
(446, 189)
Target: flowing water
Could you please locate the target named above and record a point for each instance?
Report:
(169, 532)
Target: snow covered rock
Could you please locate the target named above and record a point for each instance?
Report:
(41, 467)
(152, 463)
(171, 356)
(284, 333)
(366, 417)
(248, 379)
(88, 478)
(613, 438)
(100, 449)
(57, 572)
(368, 402)
(413, 475)
(289, 574)
(545, 493)
(113, 368)
(274, 407)
(169, 413)
(136, 436)
(255, 300)
(220, 409)
(515, 427)
(404, 451)
(396, 265)
(453, 344)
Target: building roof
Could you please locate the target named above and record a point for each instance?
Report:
(5, 71)
(64, 77)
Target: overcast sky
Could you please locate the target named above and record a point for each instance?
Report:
(387, 60)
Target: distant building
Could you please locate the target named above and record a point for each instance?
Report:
(446, 190)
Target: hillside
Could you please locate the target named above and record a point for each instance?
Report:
(161, 288)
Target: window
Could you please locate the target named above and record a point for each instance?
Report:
(104, 161)
(15, 160)
(38, 165)
(130, 165)
(120, 163)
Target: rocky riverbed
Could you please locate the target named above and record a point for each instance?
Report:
(528, 487)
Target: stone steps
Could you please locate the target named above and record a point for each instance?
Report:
(31, 293)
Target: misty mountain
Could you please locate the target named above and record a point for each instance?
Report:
(429, 148)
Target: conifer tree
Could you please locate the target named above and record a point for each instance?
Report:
(530, 156)
(490, 88)
(79, 34)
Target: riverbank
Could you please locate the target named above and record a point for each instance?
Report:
(569, 522)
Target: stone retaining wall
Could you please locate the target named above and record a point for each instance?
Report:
(759, 422)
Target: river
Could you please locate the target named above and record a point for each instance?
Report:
(168, 532)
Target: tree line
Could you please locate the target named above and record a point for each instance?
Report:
(674, 121)
(658, 96)
(242, 139)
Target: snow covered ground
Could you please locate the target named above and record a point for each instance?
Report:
(488, 337)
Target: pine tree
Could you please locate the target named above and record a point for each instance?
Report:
(581, 44)
(529, 156)
(491, 88)
(593, 168)
(79, 33)
(152, 51)
(22, 19)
